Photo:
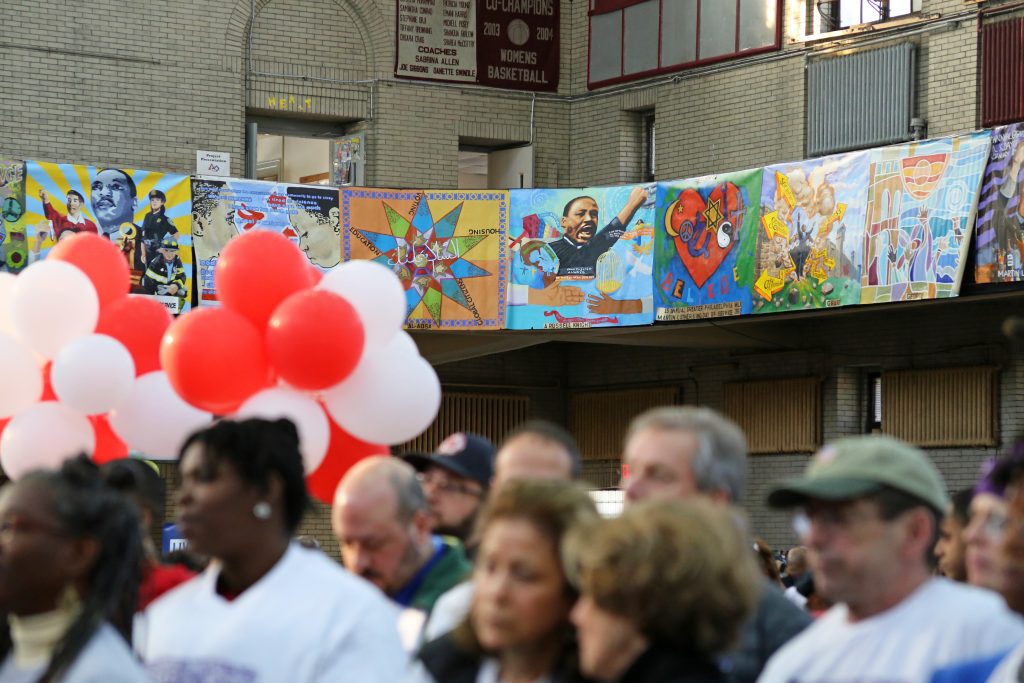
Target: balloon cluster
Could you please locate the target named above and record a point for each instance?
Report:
(84, 366)
(79, 368)
(327, 352)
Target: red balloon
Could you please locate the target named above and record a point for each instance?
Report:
(343, 451)
(100, 260)
(258, 270)
(139, 323)
(314, 339)
(5, 420)
(48, 393)
(108, 444)
(215, 359)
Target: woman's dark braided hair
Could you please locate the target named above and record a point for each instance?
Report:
(88, 508)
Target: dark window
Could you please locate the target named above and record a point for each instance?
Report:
(635, 38)
(649, 149)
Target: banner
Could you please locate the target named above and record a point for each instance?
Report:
(581, 258)
(704, 246)
(447, 247)
(436, 40)
(308, 215)
(14, 251)
(922, 199)
(999, 238)
(518, 46)
(811, 233)
(147, 214)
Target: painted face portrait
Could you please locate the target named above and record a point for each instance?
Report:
(113, 199)
(319, 235)
(580, 223)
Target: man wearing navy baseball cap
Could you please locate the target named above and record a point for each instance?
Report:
(455, 478)
(868, 510)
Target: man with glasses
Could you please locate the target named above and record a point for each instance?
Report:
(678, 452)
(455, 478)
(868, 511)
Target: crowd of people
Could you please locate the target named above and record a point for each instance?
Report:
(477, 564)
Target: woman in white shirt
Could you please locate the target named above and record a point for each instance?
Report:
(266, 609)
(70, 553)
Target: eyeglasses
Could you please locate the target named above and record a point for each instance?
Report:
(442, 483)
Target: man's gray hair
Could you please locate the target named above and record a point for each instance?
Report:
(409, 495)
(720, 462)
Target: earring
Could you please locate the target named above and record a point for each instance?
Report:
(261, 510)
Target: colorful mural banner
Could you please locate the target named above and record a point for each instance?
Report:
(999, 236)
(14, 251)
(308, 215)
(581, 258)
(704, 246)
(811, 234)
(147, 214)
(922, 200)
(447, 247)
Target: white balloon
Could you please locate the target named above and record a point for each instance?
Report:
(21, 378)
(52, 303)
(154, 420)
(392, 396)
(93, 374)
(406, 342)
(42, 437)
(375, 292)
(6, 289)
(303, 411)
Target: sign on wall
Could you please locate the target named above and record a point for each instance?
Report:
(511, 44)
(1000, 234)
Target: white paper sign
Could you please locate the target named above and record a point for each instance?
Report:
(213, 163)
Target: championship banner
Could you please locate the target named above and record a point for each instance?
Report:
(999, 237)
(308, 215)
(922, 200)
(581, 258)
(447, 247)
(811, 233)
(14, 251)
(704, 246)
(436, 40)
(147, 214)
(518, 44)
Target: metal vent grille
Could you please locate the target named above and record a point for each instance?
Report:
(1002, 72)
(941, 407)
(860, 100)
(600, 418)
(490, 415)
(778, 416)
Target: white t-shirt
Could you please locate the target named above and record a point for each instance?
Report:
(306, 621)
(105, 659)
(1007, 670)
(939, 624)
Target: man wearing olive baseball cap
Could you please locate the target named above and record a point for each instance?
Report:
(868, 511)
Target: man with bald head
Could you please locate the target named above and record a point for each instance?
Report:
(382, 525)
(537, 450)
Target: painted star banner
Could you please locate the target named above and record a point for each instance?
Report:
(147, 214)
(308, 215)
(581, 258)
(447, 247)
(704, 245)
(999, 239)
(14, 250)
(922, 199)
(811, 234)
